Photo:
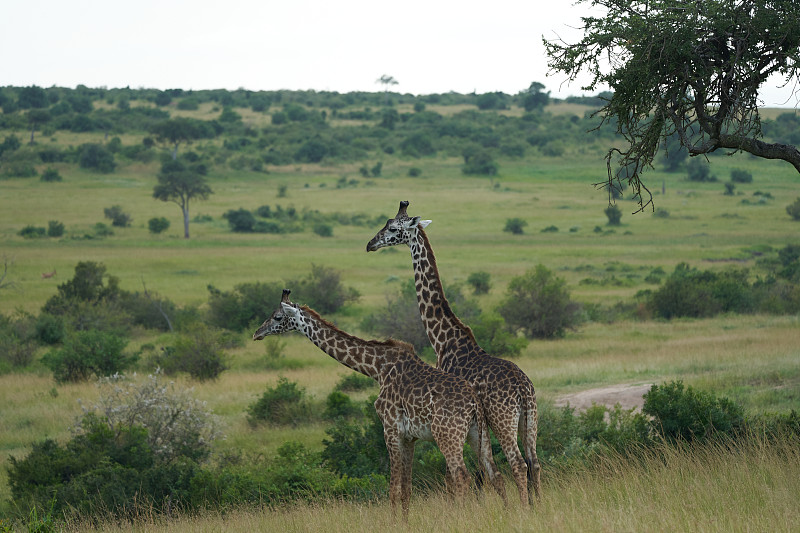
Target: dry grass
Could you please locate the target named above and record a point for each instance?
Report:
(716, 488)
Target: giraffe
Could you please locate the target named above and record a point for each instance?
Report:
(416, 401)
(507, 394)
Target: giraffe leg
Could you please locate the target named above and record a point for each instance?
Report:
(408, 462)
(452, 448)
(482, 445)
(506, 433)
(396, 447)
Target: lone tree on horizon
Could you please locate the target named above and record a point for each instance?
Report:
(180, 183)
(684, 68)
(387, 81)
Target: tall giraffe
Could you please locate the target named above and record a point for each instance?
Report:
(416, 401)
(507, 394)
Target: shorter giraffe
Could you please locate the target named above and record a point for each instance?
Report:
(416, 401)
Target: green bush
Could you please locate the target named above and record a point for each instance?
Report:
(50, 329)
(198, 352)
(87, 353)
(683, 413)
(322, 290)
(400, 319)
(479, 162)
(339, 405)
(353, 382)
(614, 214)
(357, 449)
(688, 292)
(699, 170)
(323, 230)
(118, 217)
(96, 157)
(493, 336)
(17, 341)
(480, 282)
(32, 232)
(50, 175)
(515, 226)
(539, 305)
(247, 305)
(284, 404)
(741, 176)
(240, 220)
(793, 209)
(157, 225)
(55, 228)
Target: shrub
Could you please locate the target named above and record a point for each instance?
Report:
(614, 215)
(479, 162)
(323, 230)
(284, 404)
(400, 319)
(480, 282)
(682, 413)
(55, 228)
(699, 170)
(539, 305)
(178, 425)
(240, 220)
(87, 353)
(17, 341)
(32, 232)
(793, 209)
(96, 157)
(515, 226)
(339, 405)
(353, 382)
(244, 307)
(50, 329)
(157, 225)
(357, 450)
(492, 335)
(688, 292)
(741, 176)
(198, 352)
(322, 290)
(414, 172)
(50, 175)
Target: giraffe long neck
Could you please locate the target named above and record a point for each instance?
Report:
(361, 355)
(444, 328)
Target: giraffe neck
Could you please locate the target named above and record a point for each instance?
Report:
(361, 355)
(444, 328)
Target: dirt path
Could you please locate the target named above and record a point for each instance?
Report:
(627, 395)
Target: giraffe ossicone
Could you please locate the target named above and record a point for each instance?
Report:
(506, 393)
(416, 401)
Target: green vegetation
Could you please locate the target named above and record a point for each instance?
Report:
(704, 292)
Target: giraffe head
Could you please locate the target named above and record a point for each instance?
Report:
(402, 229)
(285, 318)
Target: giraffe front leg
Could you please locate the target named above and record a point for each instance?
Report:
(394, 446)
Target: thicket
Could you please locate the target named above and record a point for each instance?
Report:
(147, 447)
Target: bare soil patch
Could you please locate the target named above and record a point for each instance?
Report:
(628, 395)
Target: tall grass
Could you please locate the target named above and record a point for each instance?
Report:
(724, 487)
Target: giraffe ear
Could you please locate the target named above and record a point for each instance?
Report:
(290, 310)
(415, 221)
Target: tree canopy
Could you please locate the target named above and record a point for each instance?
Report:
(180, 183)
(693, 69)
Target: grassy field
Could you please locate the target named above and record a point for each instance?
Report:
(754, 360)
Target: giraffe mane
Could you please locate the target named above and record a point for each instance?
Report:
(393, 343)
(446, 309)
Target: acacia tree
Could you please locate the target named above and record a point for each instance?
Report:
(180, 183)
(177, 130)
(683, 67)
(387, 81)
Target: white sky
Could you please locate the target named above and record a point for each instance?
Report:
(432, 46)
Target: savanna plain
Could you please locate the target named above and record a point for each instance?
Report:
(752, 359)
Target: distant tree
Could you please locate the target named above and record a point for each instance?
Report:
(693, 69)
(32, 97)
(37, 117)
(793, 209)
(533, 98)
(674, 154)
(614, 215)
(180, 184)
(175, 131)
(96, 157)
(387, 81)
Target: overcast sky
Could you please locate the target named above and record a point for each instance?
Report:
(428, 46)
